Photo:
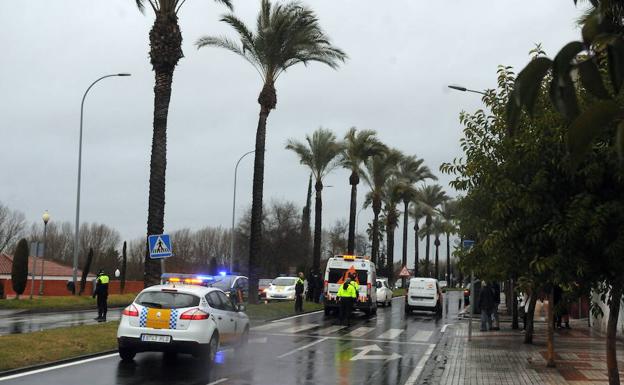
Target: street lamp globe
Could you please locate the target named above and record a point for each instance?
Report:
(45, 217)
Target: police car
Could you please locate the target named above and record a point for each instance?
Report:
(182, 315)
(341, 267)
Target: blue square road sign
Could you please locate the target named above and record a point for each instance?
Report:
(160, 246)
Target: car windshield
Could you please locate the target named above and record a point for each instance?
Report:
(223, 283)
(167, 300)
(264, 283)
(284, 282)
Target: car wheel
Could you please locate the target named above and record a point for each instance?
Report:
(209, 352)
(126, 354)
(407, 309)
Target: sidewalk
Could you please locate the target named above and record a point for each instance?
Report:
(501, 357)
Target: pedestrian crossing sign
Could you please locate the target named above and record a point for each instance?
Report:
(159, 246)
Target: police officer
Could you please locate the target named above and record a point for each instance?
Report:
(346, 296)
(299, 287)
(101, 291)
(356, 285)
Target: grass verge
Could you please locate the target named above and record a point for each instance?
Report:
(398, 292)
(20, 350)
(84, 302)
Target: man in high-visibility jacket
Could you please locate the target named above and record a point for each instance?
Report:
(101, 291)
(346, 296)
(299, 288)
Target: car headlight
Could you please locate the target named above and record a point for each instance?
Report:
(291, 288)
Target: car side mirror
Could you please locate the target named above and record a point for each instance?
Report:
(241, 307)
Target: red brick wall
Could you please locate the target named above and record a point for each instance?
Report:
(59, 288)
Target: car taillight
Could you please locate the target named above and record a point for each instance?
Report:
(194, 314)
(325, 285)
(130, 311)
(466, 292)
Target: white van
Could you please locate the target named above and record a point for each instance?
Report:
(338, 270)
(423, 294)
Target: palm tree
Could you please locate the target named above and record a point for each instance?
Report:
(379, 168)
(320, 154)
(358, 146)
(391, 198)
(411, 171)
(286, 35)
(417, 212)
(437, 228)
(165, 52)
(430, 196)
(448, 214)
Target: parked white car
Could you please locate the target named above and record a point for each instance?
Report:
(282, 288)
(181, 316)
(384, 293)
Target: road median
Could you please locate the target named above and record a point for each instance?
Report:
(64, 303)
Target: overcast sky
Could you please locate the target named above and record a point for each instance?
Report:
(403, 54)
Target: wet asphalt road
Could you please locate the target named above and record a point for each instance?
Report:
(26, 323)
(387, 349)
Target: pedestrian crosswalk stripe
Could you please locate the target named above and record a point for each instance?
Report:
(391, 334)
(330, 329)
(361, 331)
(300, 328)
(269, 326)
(422, 336)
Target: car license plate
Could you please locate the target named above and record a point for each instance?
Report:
(155, 338)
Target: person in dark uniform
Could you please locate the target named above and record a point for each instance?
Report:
(101, 292)
(299, 287)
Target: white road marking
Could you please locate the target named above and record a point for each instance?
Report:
(421, 365)
(346, 338)
(300, 328)
(217, 382)
(422, 335)
(302, 348)
(331, 329)
(298, 316)
(261, 340)
(363, 354)
(359, 332)
(391, 334)
(57, 367)
(444, 328)
(271, 325)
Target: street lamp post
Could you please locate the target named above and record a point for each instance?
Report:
(46, 218)
(464, 89)
(234, 209)
(76, 232)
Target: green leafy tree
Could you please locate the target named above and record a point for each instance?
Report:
(378, 169)
(287, 35)
(165, 51)
(19, 267)
(320, 153)
(358, 146)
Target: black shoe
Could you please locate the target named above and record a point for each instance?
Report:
(102, 320)
(97, 318)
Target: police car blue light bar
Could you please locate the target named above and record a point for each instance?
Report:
(189, 279)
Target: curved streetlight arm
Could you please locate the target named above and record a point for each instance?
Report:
(234, 209)
(464, 89)
(77, 228)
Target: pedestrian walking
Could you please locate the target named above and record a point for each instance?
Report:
(486, 304)
(495, 317)
(101, 292)
(346, 296)
(299, 286)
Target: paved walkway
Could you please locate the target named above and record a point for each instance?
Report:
(500, 357)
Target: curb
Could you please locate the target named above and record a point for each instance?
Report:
(11, 372)
(58, 310)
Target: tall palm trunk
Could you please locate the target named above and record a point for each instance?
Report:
(390, 246)
(165, 52)
(428, 246)
(436, 243)
(318, 208)
(375, 245)
(405, 222)
(354, 179)
(305, 225)
(614, 312)
(416, 252)
(448, 260)
(267, 101)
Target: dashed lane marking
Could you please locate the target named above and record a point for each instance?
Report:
(217, 381)
(302, 348)
(330, 329)
(300, 328)
(269, 326)
(361, 331)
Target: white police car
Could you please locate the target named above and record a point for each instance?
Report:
(181, 315)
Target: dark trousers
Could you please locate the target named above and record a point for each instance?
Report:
(102, 305)
(346, 305)
(299, 302)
